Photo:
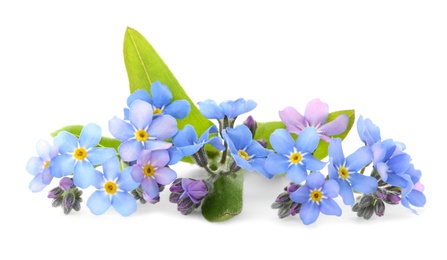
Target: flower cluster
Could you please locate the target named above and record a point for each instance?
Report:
(306, 149)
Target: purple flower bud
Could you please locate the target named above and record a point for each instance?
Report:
(379, 208)
(392, 198)
(380, 194)
(186, 206)
(66, 183)
(295, 208)
(194, 189)
(292, 187)
(68, 202)
(283, 197)
(174, 197)
(262, 142)
(251, 124)
(176, 186)
(54, 193)
(149, 199)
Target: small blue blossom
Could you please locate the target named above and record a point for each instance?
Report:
(160, 102)
(38, 166)
(368, 132)
(142, 131)
(346, 171)
(316, 196)
(79, 156)
(247, 153)
(113, 190)
(294, 158)
(413, 194)
(188, 143)
(230, 109)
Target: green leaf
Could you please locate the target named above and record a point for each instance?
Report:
(76, 131)
(225, 200)
(322, 149)
(144, 66)
(264, 130)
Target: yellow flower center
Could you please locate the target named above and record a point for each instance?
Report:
(141, 135)
(316, 195)
(296, 157)
(343, 172)
(157, 111)
(110, 187)
(148, 170)
(80, 153)
(243, 154)
(46, 164)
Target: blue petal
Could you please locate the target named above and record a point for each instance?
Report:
(125, 180)
(315, 180)
(186, 136)
(309, 213)
(241, 136)
(165, 175)
(276, 164)
(121, 129)
(332, 171)
(130, 150)
(301, 195)
(241, 162)
(153, 145)
(308, 140)
(62, 165)
(232, 109)
(256, 149)
(140, 114)
(163, 127)
(346, 192)
(205, 135)
(178, 109)
(100, 155)
(330, 189)
(139, 94)
(399, 163)
(98, 202)
(161, 95)
(175, 155)
(111, 168)
(330, 207)
(296, 173)
(36, 183)
(45, 150)
(189, 150)
(417, 198)
(136, 172)
(362, 183)
(216, 142)
(150, 186)
(66, 142)
(34, 165)
(335, 152)
(84, 174)
(312, 163)
(382, 169)
(90, 135)
(124, 203)
(396, 180)
(282, 141)
(210, 109)
(359, 159)
(258, 164)
(98, 180)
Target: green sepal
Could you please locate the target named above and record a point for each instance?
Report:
(322, 149)
(144, 66)
(225, 200)
(76, 131)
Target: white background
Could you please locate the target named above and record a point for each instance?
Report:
(62, 64)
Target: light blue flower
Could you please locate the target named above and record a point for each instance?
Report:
(368, 132)
(247, 153)
(316, 196)
(79, 156)
(294, 158)
(188, 143)
(113, 190)
(38, 166)
(150, 170)
(160, 101)
(346, 171)
(412, 194)
(142, 131)
(230, 109)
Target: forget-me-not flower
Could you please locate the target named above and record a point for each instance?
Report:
(188, 143)
(230, 109)
(79, 156)
(294, 157)
(38, 166)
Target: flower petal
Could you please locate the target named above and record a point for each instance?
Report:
(163, 127)
(62, 165)
(296, 173)
(346, 192)
(98, 202)
(34, 165)
(139, 94)
(125, 180)
(330, 207)
(84, 174)
(90, 135)
(316, 112)
(293, 120)
(308, 140)
(282, 141)
(335, 152)
(315, 180)
(136, 173)
(185, 137)
(161, 95)
(336, 126)
(45, 150)
(301, 195)
(159, 158)
(165, 175)
(178, 109)
(330, 189)
(399, 163)
(36, 183)
(312, 163)
(66, 142)
(121, 129)
(210, 109)
(150, 186)
(359, 159)
(276, 164)
(111, 168)
(309, 213)
(100, 155)
(362, 183)
(124, 203)
(130, 150)
(140, 114)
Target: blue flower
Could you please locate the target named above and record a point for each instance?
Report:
(294, 158)
(188, 143)
(160, 101)
(79, 156)
(38, 166)
(151, 171)
(230, 109)
(143, 131)
(346, 171)
(391, 162)
(412, 193)
(368, 132)
(113, 190)
(247, 153)
(316, 196)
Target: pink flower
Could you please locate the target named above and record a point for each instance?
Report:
(315, 116)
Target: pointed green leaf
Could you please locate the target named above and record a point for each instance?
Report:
(225, 200)
(144, 66)
(76, 131)
(322, 149)
(264, 130)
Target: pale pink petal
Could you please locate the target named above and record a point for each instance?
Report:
(316, 112)
(293, 120)
(336, 126)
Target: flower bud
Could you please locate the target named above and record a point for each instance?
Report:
(251, 124)
(262, 142)
(186, 206)
(379, 208)
(392, 199)
(66, 183)
(366, 201)
(284, 211)
(295, 208)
